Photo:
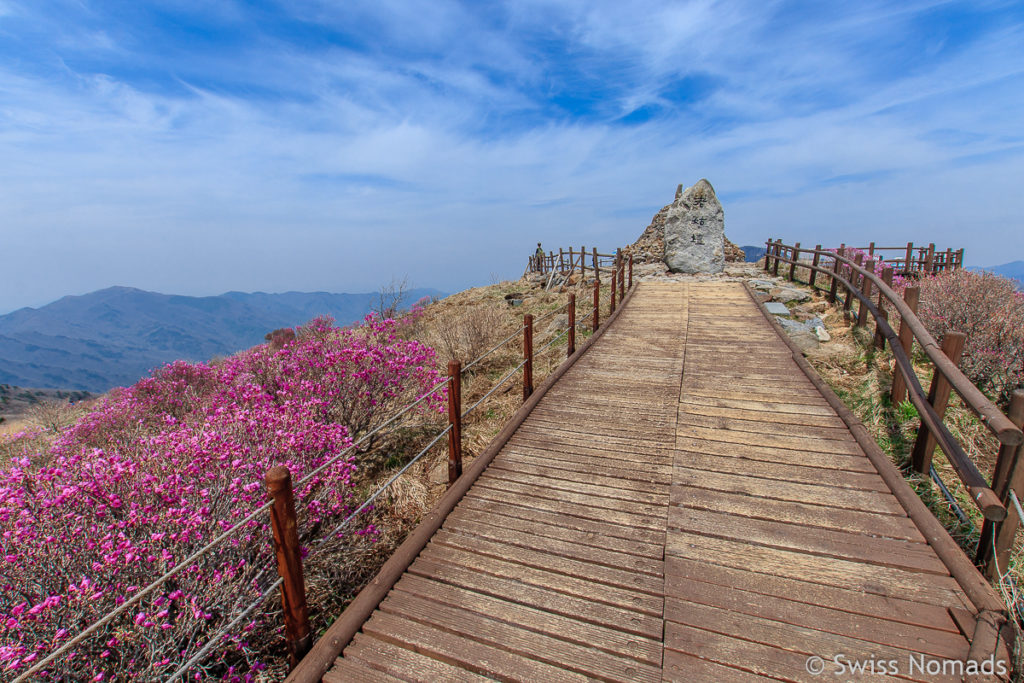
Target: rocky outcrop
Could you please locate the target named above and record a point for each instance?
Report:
(695, 231)
(650, 247)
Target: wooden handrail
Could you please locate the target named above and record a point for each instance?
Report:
(981, 405)
(981, 493)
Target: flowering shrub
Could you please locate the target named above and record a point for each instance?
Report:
(899, 283)
(164, 466)
(989, 309)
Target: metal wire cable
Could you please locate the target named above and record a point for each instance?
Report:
(1016, 504)
(553, 340)
(498, 346)
(135, 599)
(494, 388)
(375, 430)
(949, 498)
(550, 313)
(383, 487)
(211, 643)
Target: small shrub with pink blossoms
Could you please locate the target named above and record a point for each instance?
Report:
(989, 309)
(163, 467)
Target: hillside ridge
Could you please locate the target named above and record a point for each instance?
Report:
(114, 336)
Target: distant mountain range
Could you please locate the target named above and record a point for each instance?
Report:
(1014, 269)
(753, 254)
(115, 336)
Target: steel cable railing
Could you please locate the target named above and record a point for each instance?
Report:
(211, 643)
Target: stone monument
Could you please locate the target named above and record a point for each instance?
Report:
(695, 231)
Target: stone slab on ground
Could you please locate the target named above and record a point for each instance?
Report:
(775, 308)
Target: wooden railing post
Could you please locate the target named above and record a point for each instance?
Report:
(297, 633)
(948, 265)
(595, 321)
(454, 421)
(1007, 476)
(778, 253)
(938, 397)
(871, 249)
(597, 267)
(561, 261)
(910, 255)
(583, 263)
(622, 279)
(795, 258)
(768, 255)
(612, 309)
(814, 262)
(834, 286)
(848, 299)
(572, 262)
(865, 289)
(911, 295)
(929, 260)
(571, 349)
(631, 271)
(960, 258)
(887, 279)
(527, 356)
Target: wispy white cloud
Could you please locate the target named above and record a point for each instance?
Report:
(326, 146)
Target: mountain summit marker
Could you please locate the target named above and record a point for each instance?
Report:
(695, 231)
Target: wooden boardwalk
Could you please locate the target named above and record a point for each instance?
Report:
(682, 505)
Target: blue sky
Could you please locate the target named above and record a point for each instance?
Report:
(201, 146)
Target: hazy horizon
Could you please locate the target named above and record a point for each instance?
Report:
(197, 148)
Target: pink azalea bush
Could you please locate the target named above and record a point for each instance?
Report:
(989, 309)
(163, 467)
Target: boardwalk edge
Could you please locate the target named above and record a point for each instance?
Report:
(321, 657)
(992, 613)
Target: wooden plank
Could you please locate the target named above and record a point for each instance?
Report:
(546, 599)
(650, 516)
(651, 501)
(635, 600)
(846, 499)
(828, 461)
(761, 427)
(477, 628)
(659, 478)
(938, 590)
(769, 439)
(935, 642)
(480, 658)
(819, 516)
(784, 471)
(779, 419)
(885, 552)
(685, 668)
(785, 637)
(492, 529)
(604, 638)
(601, 534)
(597, 573)
(843, 599)
(345, 671)
(646, 527)
(754, 658)
(403, 663)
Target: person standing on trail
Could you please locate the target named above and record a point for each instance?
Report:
(540, 250)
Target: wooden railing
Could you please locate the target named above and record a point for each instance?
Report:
(568, 261)
(281, 506)
(915, 261)
(337, 637)
(852, 279)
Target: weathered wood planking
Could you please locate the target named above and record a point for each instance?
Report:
(682, 505)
